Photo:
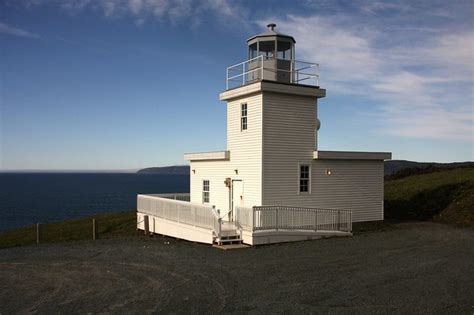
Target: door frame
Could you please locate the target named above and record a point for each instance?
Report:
(231, 213)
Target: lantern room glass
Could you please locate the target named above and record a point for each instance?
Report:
(284, 50)
(267, 49)
(253, 51)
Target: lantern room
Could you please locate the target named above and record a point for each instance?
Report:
(271, 57)
(273, 52)
(271, 45)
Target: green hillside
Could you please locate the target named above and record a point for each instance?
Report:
(444, 196)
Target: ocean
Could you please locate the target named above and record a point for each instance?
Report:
(28, 198)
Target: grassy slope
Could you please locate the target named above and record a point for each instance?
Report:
(108, 225)
(444, 196)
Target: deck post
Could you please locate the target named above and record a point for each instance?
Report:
(253, 219)
(276, 218)
(338, 220)
(94, 230)
(315, 220)
(146, 225)
(37, 233)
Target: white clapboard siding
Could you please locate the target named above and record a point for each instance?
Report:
(215, 172)
(289, 139)
(245, 149)
(246, 146)
(281, 135)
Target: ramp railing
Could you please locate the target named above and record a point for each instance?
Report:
(293, 218)
(194, 214)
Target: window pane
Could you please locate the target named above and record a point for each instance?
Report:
(244, 123)
(284, 50)
(253, 51)
(267, 48)
(304, 173)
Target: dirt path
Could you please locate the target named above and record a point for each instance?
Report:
(421, 267)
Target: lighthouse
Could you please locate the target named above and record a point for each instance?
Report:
(272, 182)
(272, 155)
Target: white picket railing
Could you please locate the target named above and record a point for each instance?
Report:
(174, 196)
(244, 218)
(293, 218)
(194, 214)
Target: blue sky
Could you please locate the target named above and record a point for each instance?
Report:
(126, 84)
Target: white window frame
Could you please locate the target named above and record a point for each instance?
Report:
(308, 179)
(244, 117)
(208, 191)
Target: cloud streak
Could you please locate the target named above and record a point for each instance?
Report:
(174, 11)
(13, 31)
(424, 88)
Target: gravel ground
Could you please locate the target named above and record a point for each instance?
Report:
(416, 268)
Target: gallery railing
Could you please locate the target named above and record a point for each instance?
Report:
(272, 69)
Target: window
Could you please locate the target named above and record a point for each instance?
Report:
(253, 51)
(205, 191)
(304, 178)
(267, 49)
(284, 50)
(243, 116)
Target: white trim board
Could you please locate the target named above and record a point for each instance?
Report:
(351, 155)
(205, 156)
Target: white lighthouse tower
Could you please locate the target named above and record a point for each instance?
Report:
(272, 166)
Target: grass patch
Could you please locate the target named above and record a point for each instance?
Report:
(108, 225)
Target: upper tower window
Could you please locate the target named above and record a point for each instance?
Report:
(243, 116)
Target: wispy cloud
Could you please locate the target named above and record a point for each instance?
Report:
(13, 31)
(377, 6)
(424, 88)
(174, 11)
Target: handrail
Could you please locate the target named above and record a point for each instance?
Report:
(184, 212)
(174, 196)
(239, 75)
(257, 69)
(246, 61)
(217, 223)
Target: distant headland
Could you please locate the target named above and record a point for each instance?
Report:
(169, 170)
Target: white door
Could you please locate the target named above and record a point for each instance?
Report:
(237, 196)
